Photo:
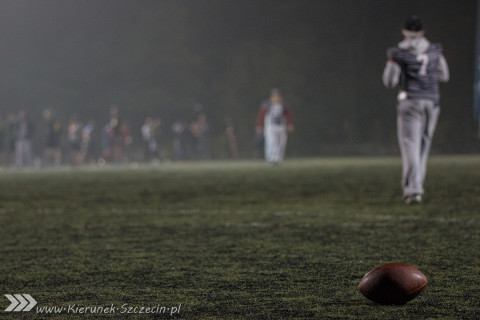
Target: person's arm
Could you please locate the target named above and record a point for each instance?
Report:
(392, 71)
(443, 73)
(391, 74)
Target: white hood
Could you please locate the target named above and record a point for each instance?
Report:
(415, 45)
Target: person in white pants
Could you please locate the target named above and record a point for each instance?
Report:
(274, 120)
(417, 66)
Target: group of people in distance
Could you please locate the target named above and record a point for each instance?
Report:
(50, 142)
(46, 142)
(188, 141)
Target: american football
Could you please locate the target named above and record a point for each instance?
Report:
(392, 283)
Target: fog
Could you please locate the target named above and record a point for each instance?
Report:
(172, 60)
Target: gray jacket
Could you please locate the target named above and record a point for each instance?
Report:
(417, 66)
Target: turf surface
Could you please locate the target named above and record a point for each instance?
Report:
(240, 240)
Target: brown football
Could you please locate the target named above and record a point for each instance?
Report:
(392, 283)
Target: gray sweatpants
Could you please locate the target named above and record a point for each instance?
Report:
(275, 143)
(416, 122)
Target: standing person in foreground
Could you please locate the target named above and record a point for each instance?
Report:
(416, 65)
(274, 120)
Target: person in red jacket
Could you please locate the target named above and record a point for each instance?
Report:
(274, 120)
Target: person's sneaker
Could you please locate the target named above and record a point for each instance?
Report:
(413, 199)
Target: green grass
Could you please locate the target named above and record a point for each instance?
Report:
(240, 240)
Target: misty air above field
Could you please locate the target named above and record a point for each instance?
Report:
(160, 58)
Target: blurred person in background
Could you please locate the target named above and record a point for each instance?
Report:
(116, 138)
(114, 135)
(125, 141)
(231, 136)
(179, 139)
(74, 136)
(86, 143)
(274, 120)
(111, 139)
(23, 141)
(106, 154)
(199, 129)
(54, 129)
(150, 135)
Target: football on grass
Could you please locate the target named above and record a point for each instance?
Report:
(392, 283)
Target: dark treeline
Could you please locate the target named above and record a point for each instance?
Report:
(162, 58)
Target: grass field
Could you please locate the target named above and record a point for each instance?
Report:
(240, 240)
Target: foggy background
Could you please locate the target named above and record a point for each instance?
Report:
(160, 58)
